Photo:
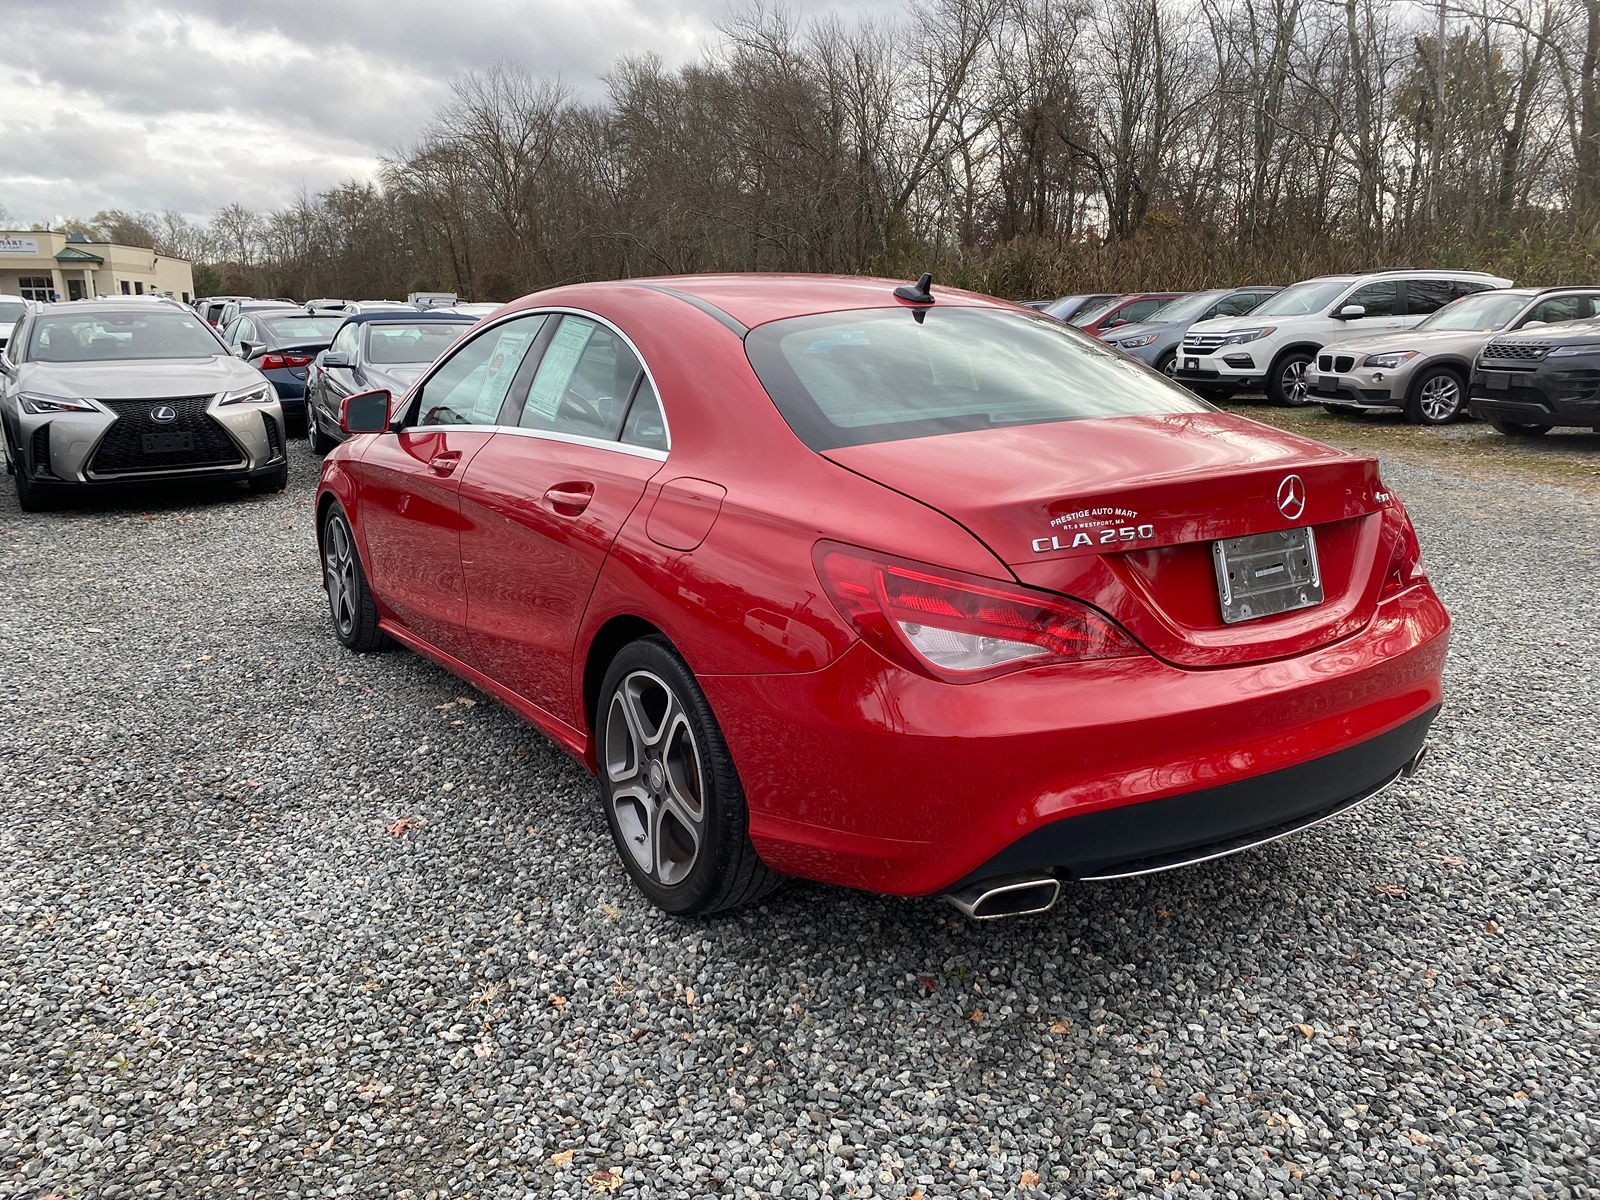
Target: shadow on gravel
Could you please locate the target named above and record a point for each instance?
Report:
(146, 497)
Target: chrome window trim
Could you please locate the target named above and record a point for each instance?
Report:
(482, 329)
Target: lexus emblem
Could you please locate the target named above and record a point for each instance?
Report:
(1292, 497)
(163, 414)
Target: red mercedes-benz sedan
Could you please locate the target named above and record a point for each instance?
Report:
(899, 588)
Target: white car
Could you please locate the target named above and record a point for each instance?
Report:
(12, 309)
(1271, 348)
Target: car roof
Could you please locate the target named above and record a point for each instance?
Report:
(130, 305)
(373, 318)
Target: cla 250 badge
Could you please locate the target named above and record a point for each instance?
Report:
(1093, 527)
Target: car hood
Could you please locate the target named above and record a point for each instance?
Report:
(138, 379)
(1248, 321)
(1442, 341)
(1566, 333)
(1134, 330)
(396, 378)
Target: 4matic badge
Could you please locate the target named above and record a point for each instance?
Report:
(1106, 526)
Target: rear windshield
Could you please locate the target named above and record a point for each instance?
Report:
(82, 337)
(884, 375)
(394, 343)
(302, 325)
(11, 310)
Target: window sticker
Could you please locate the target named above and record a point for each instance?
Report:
(555, 371)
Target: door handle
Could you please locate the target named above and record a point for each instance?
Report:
(569, 499)
(445, 461)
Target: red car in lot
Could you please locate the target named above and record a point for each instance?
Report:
(1097, 320)
(904, 589)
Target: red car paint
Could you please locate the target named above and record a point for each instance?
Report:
(1116, 314)
(514, 561)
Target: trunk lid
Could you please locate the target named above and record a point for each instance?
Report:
(1122, 512)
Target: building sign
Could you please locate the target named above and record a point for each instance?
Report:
(19, 245)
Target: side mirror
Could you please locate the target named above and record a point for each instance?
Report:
(1351, 312)
(336, 358)
(365, 412)
(250, 349)
(1533, 324)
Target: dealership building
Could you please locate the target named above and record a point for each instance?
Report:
(40, 264)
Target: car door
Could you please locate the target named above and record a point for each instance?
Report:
(408, 479)
(543, 502)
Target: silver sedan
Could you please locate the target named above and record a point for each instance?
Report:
(105, 392)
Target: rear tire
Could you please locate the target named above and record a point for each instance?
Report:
(1519, 428)
(1437, 396)
(1288, 386)
(671, 795)
(350, 603)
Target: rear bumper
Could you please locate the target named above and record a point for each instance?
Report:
(871, 776)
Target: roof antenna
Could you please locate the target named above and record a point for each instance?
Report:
(918, 292)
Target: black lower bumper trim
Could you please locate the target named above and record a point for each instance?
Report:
(1351, 396)
(1156, 834)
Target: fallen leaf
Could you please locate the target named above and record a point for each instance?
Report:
(1453, 862)
(1490, 927)
(401, 827)
(1294, 1171)
(1059, 1028)
(560, 1159)
(1389, 889)
(916, 1195)
(1306, 1031)
(1163, 913)
(977, 1015)
(1028, 1179)
(928, 983)
(466, 702)
(558, 1001)
(606, 1179)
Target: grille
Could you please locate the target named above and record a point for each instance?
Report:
(1343, 363)
(41, 451)
(274, 437)
(1324, 362)
(122, 451)
(1517, 351)
(1202, 343)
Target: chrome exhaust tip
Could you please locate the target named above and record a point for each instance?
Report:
(1415, 765)
(1006, 896)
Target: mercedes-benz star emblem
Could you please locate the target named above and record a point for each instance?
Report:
(164, 414)
(1292, 497)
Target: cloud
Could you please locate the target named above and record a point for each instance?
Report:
(182, 104)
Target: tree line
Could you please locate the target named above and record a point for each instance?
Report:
(1021, 147)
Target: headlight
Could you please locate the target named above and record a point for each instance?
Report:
(1392, 359)
(258, 393)
(33, 402)
(1573, 351)
(1130, 343)
(1247, 335)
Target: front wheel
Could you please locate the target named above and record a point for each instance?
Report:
(350, 602)
(672, 798)
(1167, 364)
(1519, 428)
(1289, 385)
(1436, 397)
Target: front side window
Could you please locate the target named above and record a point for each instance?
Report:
(346, 341)
(882, 375)
(1556, 309)
(82, 337)
(472, 385)
(1139, 310)
(583, 383)
(1379, 299)
(1238, 304)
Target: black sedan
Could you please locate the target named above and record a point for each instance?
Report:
(373, 350)
(281, 342)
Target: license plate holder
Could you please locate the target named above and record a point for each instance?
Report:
(167, 443)
(1191, 364)
(1264, 574)
(1497, 381)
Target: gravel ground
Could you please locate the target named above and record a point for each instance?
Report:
(225, 969)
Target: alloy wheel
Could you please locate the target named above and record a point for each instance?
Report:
(657, 781)
(1440, 398)
(1294, 381)
(339, 566)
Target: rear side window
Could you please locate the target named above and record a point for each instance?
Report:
(1424, 296)
(882, 375)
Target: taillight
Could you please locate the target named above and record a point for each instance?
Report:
(959, 627)
(1405, 556)
(278, 362)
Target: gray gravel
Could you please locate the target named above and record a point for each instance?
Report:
(224, 970)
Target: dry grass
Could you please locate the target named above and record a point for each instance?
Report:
(1470, 448)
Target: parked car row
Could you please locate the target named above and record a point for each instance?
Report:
(1436, 344)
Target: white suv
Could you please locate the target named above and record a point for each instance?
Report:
(1270, 348)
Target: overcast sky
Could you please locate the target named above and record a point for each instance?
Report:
(146, 105)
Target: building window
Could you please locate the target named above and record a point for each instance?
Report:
(35, 287)
(186, 297)
(126, 290)
(138, 288)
